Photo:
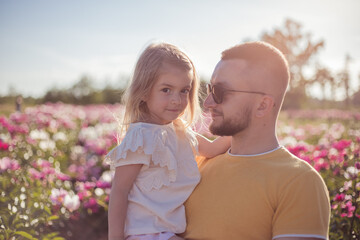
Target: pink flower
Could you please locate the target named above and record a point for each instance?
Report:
(48, 171)
(341, 145)
(321, 165)
(35, 174)
(336, 171)
(349, 208)
(339, 197)
(8, 164)
(321, 154)
(357, 165)
(92, 204)
(347, 185)
(89, 185)
(357, 186)
(3, 145)
(83, 194)
(31, 141)
(103, 184)
(42, 163)
(63, 177)
(297, 149)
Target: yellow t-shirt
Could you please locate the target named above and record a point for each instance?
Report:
(257, 197)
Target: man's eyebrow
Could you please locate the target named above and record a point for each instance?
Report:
(221, 84)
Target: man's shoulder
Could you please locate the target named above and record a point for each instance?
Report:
(291, 161)
(296, 168)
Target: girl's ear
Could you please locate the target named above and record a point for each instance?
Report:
(144, 98)
(265, 106)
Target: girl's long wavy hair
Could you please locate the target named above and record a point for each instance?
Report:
(147, 71)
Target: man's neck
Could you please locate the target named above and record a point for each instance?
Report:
(247, 143)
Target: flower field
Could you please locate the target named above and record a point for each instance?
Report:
(54, 183)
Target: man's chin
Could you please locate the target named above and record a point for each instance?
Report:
(215, 128)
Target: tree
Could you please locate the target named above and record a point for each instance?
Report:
(356, 96)
(324, 77)
(82, 88)
(344, 79)
(298, 49)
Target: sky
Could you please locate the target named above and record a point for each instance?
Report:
(46, 44)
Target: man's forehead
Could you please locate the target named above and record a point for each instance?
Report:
(226, 71)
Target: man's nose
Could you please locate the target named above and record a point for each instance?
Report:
(209, 102)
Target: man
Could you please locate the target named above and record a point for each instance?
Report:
(256, 190)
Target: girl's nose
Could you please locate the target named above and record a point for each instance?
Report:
(176, 98)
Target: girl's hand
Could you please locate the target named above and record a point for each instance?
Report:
(210, 149)
(176, 238)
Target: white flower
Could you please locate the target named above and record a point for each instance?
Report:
(60, 136)
(351, 172)
(288, 141)
(39, 134)
(72, 203)
(99, 192)
(47, 145)
(107, 176)
(57, 195)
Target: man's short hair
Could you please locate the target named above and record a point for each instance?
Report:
(261, 56)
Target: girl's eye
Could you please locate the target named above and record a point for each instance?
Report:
(186, 91)
(165, 90)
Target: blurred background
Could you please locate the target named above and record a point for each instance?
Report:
(64, 66)
(84, 52)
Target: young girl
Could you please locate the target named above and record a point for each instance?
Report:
(155, 168)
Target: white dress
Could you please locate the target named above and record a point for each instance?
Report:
(166, 180)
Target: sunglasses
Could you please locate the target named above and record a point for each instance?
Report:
(217, 92)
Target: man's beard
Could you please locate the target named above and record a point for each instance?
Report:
(230, 127)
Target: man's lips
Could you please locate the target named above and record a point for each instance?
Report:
(215, 114)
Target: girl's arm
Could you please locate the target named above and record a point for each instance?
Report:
(210, 149)
(121, 185)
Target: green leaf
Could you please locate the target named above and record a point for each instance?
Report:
(47, 209)
(53, 217)
(51, 235)
(25, 235)
(101, 203)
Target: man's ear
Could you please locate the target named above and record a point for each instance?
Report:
(265, 106)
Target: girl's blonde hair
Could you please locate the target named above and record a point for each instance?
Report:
(147, 71)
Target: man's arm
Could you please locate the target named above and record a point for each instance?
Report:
(304, 205)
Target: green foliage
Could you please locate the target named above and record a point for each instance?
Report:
(25, 207)
(83, 92)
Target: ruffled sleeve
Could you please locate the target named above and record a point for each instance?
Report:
(153, 148)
